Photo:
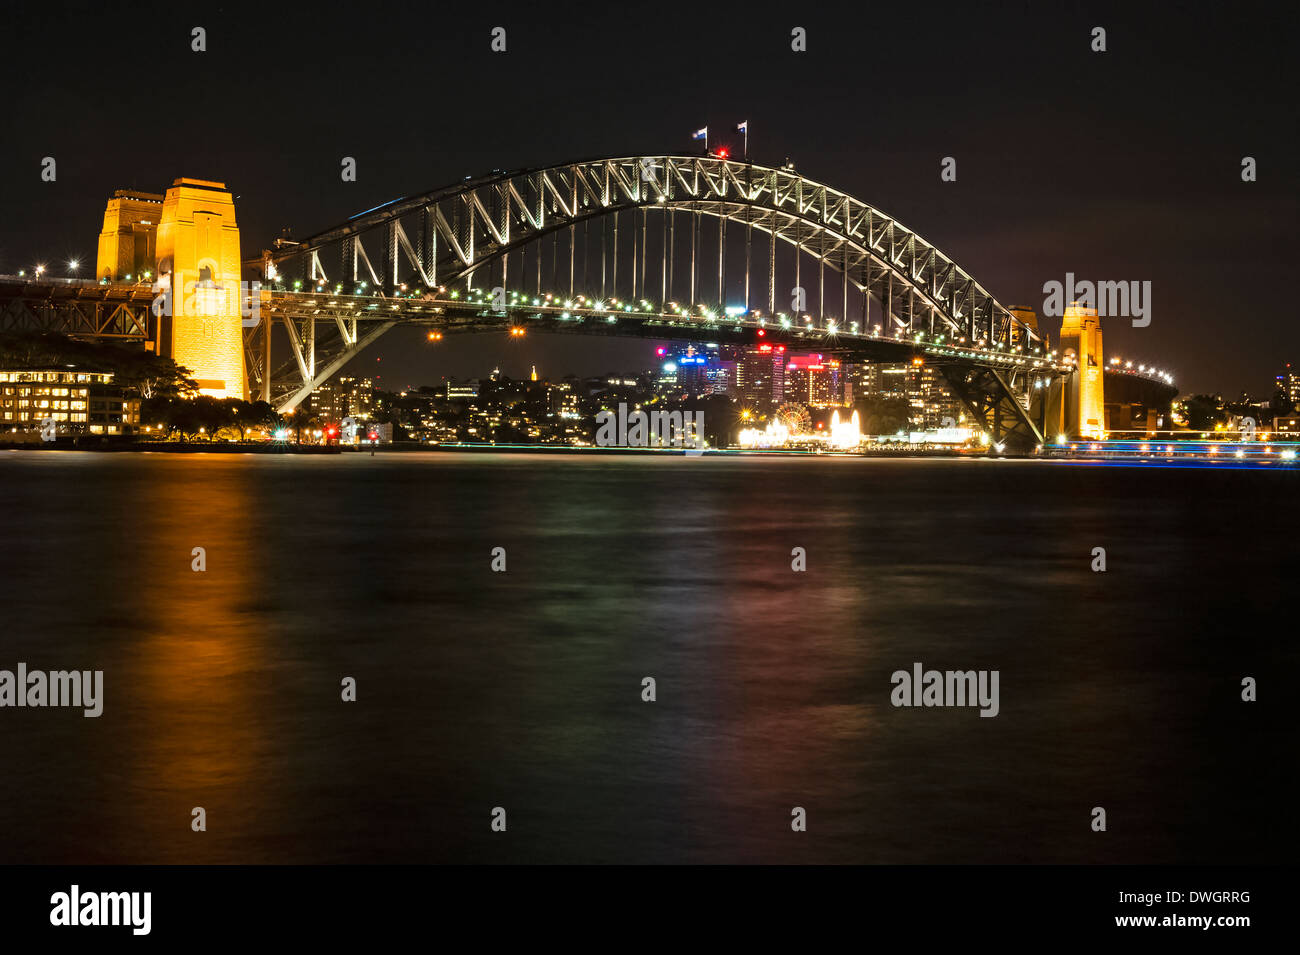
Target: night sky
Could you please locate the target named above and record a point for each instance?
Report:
(1120, 165)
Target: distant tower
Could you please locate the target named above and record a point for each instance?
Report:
(198, 254)
(1028, 317)
(1085, 409)
(127, 242)
(534, 377)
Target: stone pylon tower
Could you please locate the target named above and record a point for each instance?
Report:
(127, 250)
(1085, 408)
(198, 259)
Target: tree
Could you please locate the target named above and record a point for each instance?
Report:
(142, 373)
(1203, 412)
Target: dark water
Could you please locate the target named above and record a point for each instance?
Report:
(522, 689)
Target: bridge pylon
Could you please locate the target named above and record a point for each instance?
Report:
(1083, 396)
(199, 262)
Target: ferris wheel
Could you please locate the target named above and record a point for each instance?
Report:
(795, 417)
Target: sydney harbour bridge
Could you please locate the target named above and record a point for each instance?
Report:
(701, 248)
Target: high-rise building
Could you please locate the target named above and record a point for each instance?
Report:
(932, 404)
(1288, 383)
(760, 375)
(345, 398)
(929, 399)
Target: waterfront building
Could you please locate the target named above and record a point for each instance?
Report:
(77, 401)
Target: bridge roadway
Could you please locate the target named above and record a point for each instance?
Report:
(86, 308)
(451, 312)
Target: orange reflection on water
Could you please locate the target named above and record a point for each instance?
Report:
(202, 665)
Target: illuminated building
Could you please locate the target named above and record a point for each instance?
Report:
(1085, 414)
(760, 375)
(198, 253)
(345, 397)
(187, 242)
(694, 370)
(1288, 383)
(77, 401)
(1287, 427)
(462, 389)
(928, 397)
(720, 378)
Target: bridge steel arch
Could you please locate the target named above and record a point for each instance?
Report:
(464, 226)
(443, 237)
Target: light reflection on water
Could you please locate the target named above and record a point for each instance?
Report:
(522, 689)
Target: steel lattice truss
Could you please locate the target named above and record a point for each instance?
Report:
(446, 235)
(79, 309)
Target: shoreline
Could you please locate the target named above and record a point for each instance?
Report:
(1145, 458)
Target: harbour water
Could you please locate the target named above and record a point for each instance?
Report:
(522, 689)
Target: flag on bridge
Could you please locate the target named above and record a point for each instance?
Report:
(701, 134)
(742, 127)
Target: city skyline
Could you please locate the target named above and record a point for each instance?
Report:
(1152, 187)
